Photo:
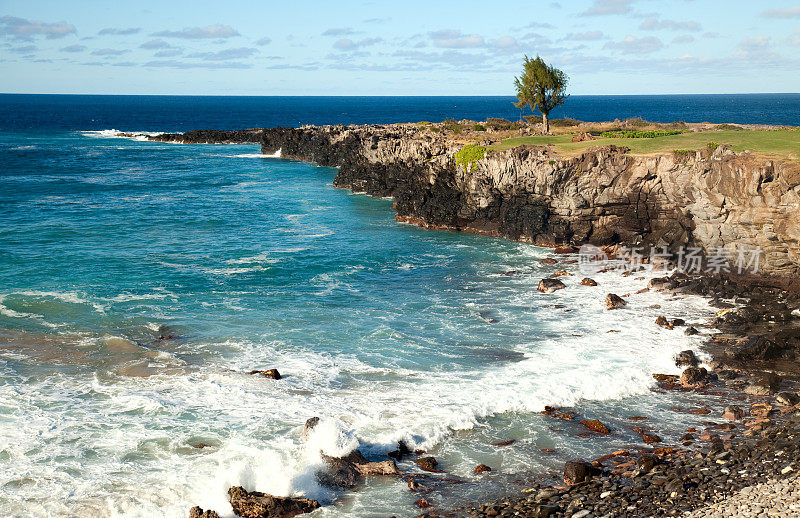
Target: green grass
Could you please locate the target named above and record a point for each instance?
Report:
(773, 142)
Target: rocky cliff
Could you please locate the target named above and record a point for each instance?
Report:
(604, 196)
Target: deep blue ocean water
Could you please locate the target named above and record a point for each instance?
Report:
(141, 281)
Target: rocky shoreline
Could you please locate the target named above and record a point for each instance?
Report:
(710, 199)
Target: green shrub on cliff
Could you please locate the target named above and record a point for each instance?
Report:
(468, 155)
(453, 126)
(478, 127)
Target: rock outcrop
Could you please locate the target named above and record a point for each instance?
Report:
(605, 196)
(261, 505)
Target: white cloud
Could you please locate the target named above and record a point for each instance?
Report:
(210, 32)
(339, 31)
(655, 24)
(606, 7)
(26, 29)
(450, 39)
(109, 52)
(73, 48)
(632, 45)
(346, 44)
(225, 54)
(788, 12)
(155, 44)
(119, 32)
(585, 36)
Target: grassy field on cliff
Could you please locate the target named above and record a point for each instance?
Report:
(784, 143)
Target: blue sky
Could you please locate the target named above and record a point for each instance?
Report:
(396, 48)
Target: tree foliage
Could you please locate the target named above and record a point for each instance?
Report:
(541, 87)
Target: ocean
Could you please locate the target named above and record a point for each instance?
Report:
(140, 282)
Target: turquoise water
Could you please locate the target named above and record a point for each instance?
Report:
(140, 282)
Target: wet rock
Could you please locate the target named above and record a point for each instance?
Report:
(423, 503)
(596, 426)
(647, 437)
(402, 451)
(764, 385)
(615, 301)
(577, 471)
(428, 464)
(646, 462)
(339, 473)
(733, 412)
(272, 374)
(677, 322)
(691, 331)
(565, 249)
(197, 512)
(550, 285)
(787, 399)
(504, 443)
(660, 283)
(760, 409)
(588, 282)
(311, 422)
(686, 359)
(694, 376)
(663, 322)
(261, 505)
(561, 273)
(667, 378)
(548, 260)
(481, 468)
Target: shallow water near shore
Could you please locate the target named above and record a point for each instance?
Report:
(142, 281)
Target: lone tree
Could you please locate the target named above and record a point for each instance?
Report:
(542, 87)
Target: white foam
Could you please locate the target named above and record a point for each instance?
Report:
(276, 154)
(113, 133)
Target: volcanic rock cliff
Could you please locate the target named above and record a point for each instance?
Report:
(604, 196)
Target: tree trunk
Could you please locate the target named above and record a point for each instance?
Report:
(545, 124)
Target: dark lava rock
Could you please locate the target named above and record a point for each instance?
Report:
(647, 437)
(339, 473)
(646, 462)
(691, 331)
(261, 505)
(589, 282)
(677, 322)
(694, 376)
(764, 385)
(272, 374)
(402, 451)
(663, 322)
(596, 426)
(686, 358)
(733, 412)
(787, 399)
(660, 283)
(422, 503)
(550, 285)
(615, 301)
(428, 464)
(548, 260)
(577, 471)
(197, 512)
(311, 422)
(480, 468)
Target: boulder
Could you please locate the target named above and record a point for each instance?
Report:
(197, 512)
(596, 426)
(646, 462)
(733, 412)
(428, 464)
(311, 422)
(261, 505)
(349, 471)
(402, 451)
(561, 273)
(660, 283)
(764, 385)
(550, 285)
(786, 399)
(589, 282)
(565, 249)
(272, 374)
(647, 437)
(686, 359)
(615, 301)
(694, 376)
(677, 322)
(663, 322)
(577, 471)
(691, 331)
(481, 468)
(548, 260)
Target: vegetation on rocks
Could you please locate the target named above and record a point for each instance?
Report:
(468, 155)
(640, 134)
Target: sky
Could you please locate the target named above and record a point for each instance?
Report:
(407, 47)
